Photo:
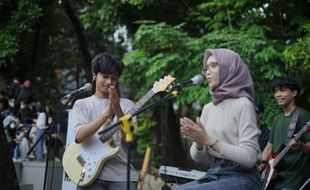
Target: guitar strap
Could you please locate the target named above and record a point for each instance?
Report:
(292, 126)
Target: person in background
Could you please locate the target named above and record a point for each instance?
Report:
(13, 92)
(295, 168)
(265, 132)
(25, 93)
(10, 124)
(4, 109)
(22, 142)
(41, 122)
(14, 89)
(26, 115)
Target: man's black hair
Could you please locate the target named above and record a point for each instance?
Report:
(286, 82)
(107, 64)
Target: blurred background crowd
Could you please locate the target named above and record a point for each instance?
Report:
(27, 122)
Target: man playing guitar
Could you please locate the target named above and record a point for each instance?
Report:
(294, 167)
(92, 112)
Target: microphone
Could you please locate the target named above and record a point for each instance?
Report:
(196, 80)
(85, 88)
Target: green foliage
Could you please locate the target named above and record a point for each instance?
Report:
(169, 51)
(8, 46)
(297, 63)
(271, 107)
(219, 14)
(100, 15)
(143, 133)
(22, 19)
(298, 54)
(140, 3)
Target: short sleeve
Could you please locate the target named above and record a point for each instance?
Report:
(80, 116)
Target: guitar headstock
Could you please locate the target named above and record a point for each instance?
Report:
(162, 84)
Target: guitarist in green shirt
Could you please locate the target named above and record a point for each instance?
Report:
(293, 168)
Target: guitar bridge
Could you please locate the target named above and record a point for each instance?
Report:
(82, 175)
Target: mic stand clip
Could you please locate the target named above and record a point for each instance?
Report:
(129, 127)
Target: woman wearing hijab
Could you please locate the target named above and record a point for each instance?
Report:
(226, 130)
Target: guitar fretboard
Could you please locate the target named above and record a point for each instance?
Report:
(287, 148)
(109, 132)
(142, 101)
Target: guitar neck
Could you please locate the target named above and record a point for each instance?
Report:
(280, 156)
(142, 101)
(108, 134)
(287, 148)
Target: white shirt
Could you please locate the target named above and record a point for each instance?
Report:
(41, 120)
(233, 123)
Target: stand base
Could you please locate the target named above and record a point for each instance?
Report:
(32, 174)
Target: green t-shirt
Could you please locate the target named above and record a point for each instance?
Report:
(296, 166)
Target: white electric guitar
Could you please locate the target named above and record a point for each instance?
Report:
(83, 162)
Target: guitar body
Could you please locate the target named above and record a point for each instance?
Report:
(271, 175)
(83, 162)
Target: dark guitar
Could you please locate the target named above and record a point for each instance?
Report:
(278, 156)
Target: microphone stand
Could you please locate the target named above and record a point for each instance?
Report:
(166, 148)
(48, 132)
(128, 126)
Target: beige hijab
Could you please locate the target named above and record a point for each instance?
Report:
(235, 78)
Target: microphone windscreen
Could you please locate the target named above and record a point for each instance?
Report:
(198, 79)
(88, 87)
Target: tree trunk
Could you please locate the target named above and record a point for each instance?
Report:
(8, 178)
(78, 28)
